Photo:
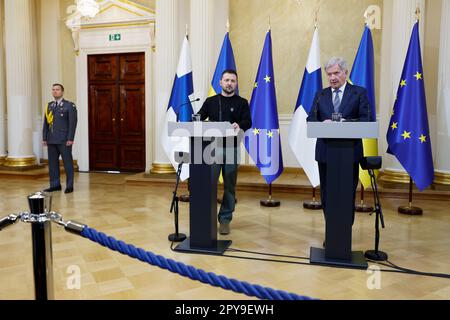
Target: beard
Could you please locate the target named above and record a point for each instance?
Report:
(228, 90)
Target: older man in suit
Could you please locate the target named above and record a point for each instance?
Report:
(351, 103)
(58, 134)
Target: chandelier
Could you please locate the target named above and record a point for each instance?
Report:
(88, 8)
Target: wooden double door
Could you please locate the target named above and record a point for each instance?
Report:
(117, 112)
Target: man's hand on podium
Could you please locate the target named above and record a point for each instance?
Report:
(235, 126)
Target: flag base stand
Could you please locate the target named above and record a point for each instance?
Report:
(362, 207)
(409, 209)
(270, 202)
(184, 198)
(312, 205)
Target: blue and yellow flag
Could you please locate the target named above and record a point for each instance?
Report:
(225, 61)
(263, 141)
(408, 134)
(363, 75)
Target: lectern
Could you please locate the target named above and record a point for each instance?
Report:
(340, 138)
(203, 175)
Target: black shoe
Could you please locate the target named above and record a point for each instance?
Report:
(51, 189)
(68, 190)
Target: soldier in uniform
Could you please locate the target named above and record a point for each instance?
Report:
(60, 123)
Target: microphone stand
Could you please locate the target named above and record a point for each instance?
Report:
(176, 237)
(376, 254)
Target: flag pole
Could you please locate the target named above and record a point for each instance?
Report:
(423, 178)
(185, 197)
(270, 202)
(409, 209)
(313, 204)
(362, 207)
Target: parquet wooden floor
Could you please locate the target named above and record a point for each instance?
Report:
(140, 215)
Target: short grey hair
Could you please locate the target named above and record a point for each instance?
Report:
(341, 62)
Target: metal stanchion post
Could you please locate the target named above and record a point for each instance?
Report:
(41, 217)
(40, 205)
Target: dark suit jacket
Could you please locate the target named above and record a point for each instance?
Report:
(355, 106)
(64, 123)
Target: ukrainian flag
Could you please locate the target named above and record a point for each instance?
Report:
(225, 62)
(363, 75)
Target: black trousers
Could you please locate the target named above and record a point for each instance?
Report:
(323, 185)
(229, 158)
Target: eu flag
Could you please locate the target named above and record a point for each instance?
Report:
(263, 141)
(408, 134)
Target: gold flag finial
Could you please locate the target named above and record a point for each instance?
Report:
(366, 17)
(316, 14)
(228, 25)
(417, 13)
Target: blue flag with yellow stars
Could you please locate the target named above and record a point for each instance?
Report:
(408, 134)
(263, 141)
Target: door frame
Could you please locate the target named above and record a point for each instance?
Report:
(81, 147)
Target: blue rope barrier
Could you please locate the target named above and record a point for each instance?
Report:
(189, 271)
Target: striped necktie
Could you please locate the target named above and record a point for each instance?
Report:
(336, 100)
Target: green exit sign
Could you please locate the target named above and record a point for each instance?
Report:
(115, 37)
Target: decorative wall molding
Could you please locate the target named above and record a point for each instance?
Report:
(113, 14)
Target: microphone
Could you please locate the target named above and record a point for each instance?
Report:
(220, 108)
(368, 107)
(315, 106)
(178, 113)
(195, 100)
